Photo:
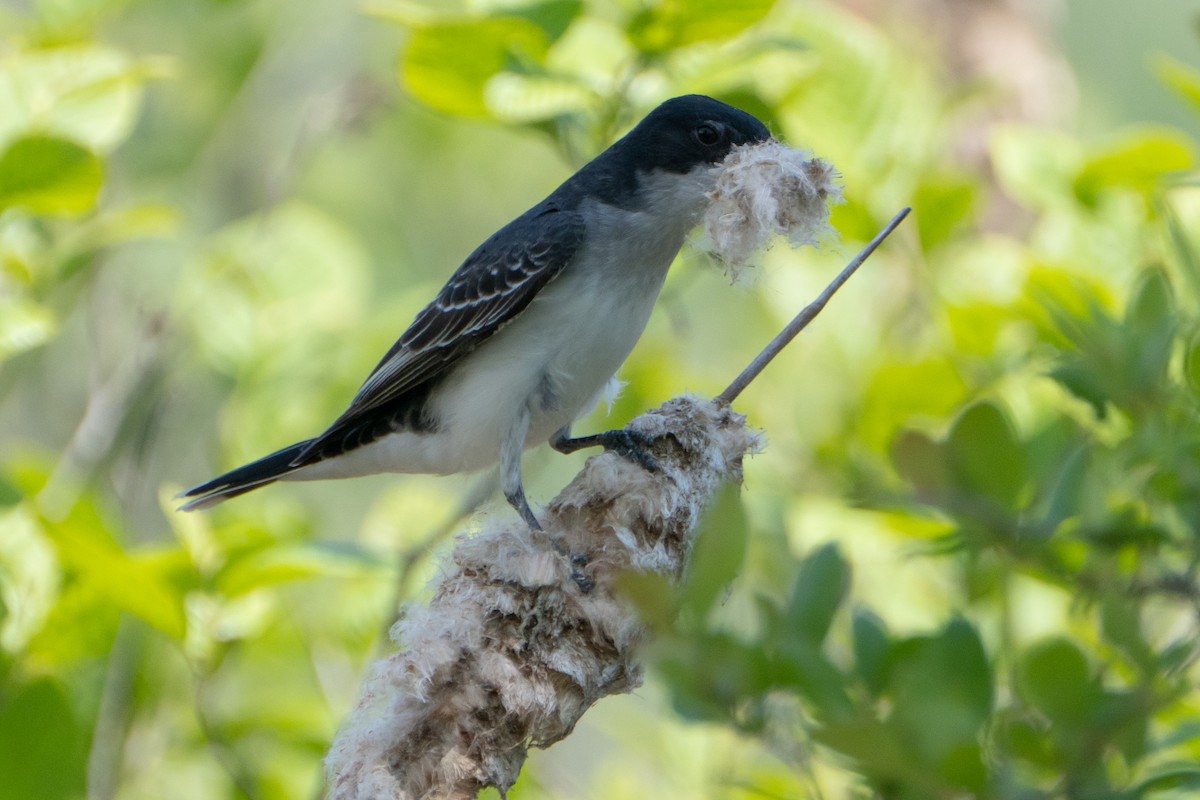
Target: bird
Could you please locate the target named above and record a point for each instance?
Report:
(528, 333)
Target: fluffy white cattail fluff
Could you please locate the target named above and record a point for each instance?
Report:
(765, 190)
(527, 630)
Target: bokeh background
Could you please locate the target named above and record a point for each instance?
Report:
(966, 564)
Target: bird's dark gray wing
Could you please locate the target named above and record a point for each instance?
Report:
(493, 285)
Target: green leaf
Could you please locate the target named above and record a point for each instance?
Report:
(137, 584)
(719, 550)
(1137, 163)
(820, 587)
(45, 175)
(1055, 678)
(43, 750)
(1191, 363)
(1066, 487)
(1174, 778)
(801, 664)
(85, 93)
(941, 205)
(986, 457)
(552, 16)
(1083, 382)
(287, 563)
(670, 24)
(1120, 622)
(941, 687)
(24, 325)
(1182, 78)
(871, 646)
(447, 65)
(710, 675)
(1150, 323)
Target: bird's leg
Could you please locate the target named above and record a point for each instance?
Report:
(625, 443)
(510, 469)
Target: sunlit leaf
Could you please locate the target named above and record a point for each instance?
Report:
(24, 325)
(133, 583)
(1035, 166)
(1183, 78)
(941, 205)
(522, 99)
(45, 175)
(86, 93)
(287, 563)
(670, 24)
(447, 65)
(900, 390)
(1138, 163)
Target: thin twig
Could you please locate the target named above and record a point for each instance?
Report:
(806, 316)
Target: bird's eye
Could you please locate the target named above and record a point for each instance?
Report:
(708, 133)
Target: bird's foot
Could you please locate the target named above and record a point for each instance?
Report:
(630, 445)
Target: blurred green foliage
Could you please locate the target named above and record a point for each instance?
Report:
(966, 565)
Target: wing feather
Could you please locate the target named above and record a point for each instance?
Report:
(493, 286)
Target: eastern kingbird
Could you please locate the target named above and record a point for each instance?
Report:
(525, 336)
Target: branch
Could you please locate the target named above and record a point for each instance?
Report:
(806, 316)
(526, 630)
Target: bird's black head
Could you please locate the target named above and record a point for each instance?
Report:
(678, 136)
(690, 131)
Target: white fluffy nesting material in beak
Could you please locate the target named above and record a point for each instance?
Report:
(764, 190)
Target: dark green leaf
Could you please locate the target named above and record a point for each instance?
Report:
(801, 665)
(871, 645)
(710, 675)
(822, 583)
(1055, 678)
(553, 16)
(941, 688)
(1183, 776)
(45, 175)
(986, 457)
(1085, 384)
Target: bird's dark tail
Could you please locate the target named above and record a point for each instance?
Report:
(243, 479)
